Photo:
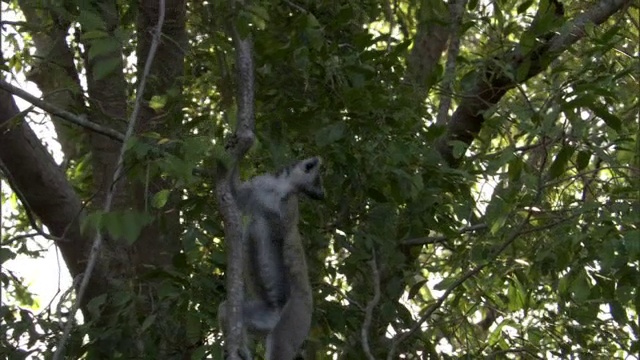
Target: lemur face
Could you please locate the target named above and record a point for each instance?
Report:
(305, 176)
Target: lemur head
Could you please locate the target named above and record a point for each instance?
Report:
(304, 176)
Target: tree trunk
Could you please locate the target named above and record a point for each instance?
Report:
(120, 273)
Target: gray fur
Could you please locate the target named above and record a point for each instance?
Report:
(280, 298)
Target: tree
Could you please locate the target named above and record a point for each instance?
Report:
(483, 161)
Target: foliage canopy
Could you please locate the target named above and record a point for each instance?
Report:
(482, 172)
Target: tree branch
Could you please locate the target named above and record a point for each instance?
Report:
(371, 305)
(429, 44)
(43, 185)
(493, 82)
(438, 239)
(237, 147)
(54, 110)
(27, 208)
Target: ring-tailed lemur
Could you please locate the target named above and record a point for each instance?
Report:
(279, 305)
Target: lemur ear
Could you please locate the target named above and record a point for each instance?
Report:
(311, 164)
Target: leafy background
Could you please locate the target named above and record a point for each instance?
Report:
(519, 240)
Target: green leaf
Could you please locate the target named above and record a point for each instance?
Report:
(6, 254)
(193, 328)
(148, 322)
(125, 225)
(158, 102)
(515, 169)
(111, 224)
(582, 159)
(94, 34)
(260, 16)
(524, 6)
(415, 289)
(632, 244)
(330, 134)
(610, 119)
(160, 198)
(522, 71)
(559, 164)
(91, 21)
(459, 148)
(400, 48)
(121, 298)
(132, 224)
(618, 313)
(468, 80)
(516, 296)
(104, 46)
(498, 212)
(444, 284)
(505, 157)
(96, 303)
(312, 21)
(106, 67)
(580, 288)
(92, 222)
(376, 195)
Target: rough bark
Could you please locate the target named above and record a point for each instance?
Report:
(428, 46)
(34, 173)
(107, 103)
(166, 71)
(43, 185)
(107, 107)
(163, 235)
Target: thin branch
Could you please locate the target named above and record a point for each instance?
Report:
(66, 115)
(404, 336)
(72, 118)
(97, 241)
(529, 352)
(296, 6)
(18, 23)
(442, 238)
(17, 117)
(371, 305)
(237, 147)
(517, 233)
(340, 293)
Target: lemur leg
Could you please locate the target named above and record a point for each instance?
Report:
(286, 338)
(259, 317)
(266, 262)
